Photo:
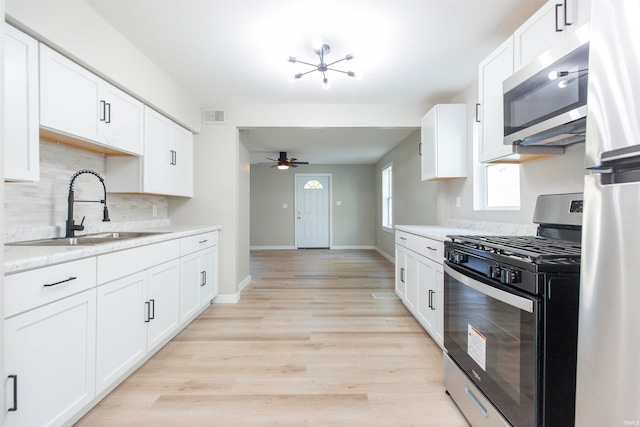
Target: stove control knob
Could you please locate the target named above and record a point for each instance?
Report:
(509, 276)
(458, 258)
(494, 272)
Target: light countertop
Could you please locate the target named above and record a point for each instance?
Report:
(20, 258)
(439, 232)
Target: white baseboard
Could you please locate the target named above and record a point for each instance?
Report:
(353, 247)
(227, 299)
(233, 298)
(244, 283)
(271, 248)
(386, 255)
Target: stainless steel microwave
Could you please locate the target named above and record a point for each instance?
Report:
(545, 102)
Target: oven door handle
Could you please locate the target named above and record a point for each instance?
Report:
(495, 293)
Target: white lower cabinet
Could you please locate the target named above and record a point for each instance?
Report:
(69, 341)
(198, 273)
(431, 297)
(163, 307)
(122, 328)
(50, 361)
(420, 275)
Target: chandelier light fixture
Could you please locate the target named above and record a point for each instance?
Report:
(321, 49)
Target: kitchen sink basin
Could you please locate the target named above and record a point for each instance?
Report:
(88, 240)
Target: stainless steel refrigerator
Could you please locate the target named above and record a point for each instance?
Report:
(608, 375)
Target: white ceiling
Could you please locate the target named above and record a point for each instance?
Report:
(226, 52)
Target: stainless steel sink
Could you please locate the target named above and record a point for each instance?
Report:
(89, 239)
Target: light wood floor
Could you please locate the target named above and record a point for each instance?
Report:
(307, 345)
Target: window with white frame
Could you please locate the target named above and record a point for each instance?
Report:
(387, 196)
(502, 186)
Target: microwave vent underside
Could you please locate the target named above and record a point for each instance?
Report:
(567, 134)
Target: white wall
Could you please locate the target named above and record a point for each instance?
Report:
(74, 29)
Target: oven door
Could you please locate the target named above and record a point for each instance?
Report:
(491, 332)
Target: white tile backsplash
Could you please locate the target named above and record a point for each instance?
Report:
(40, 209)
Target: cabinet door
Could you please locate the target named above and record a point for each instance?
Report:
(51, 352)
(544, 29)
(157, 155)
(428, 139)
(123, 120)
(549, 25)
(401, 268)
(209, 275)
(122, 331)
(21, 138)
(190, 280)
(411, 281)
(163, 298)
(426, 309)
(69, 96)
(444, 142)
(182, 165)
(492, 72)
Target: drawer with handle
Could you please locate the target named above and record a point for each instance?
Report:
(195, 243)
(30, 289)
(430, 248)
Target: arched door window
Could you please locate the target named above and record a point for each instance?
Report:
(313, 184)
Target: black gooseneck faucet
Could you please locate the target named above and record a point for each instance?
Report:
(71, 226)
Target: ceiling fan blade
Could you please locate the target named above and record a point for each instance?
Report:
(300, 163)
(293, 165)
(275, 160)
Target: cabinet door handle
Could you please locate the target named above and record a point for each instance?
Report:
(403, 238)
(172, 158)
(153, 309)
(558, 6)
(103, 111)
(402, 274)
(147, 306)
(478, 113)
(566, 14)
(108, 113)
(431, 249)
(203, 241)
(15, 393)
(420, 149)
(46, 285)
(431, 299)
(203, 275)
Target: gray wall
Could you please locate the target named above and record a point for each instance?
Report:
(414, 201)
(353, 221)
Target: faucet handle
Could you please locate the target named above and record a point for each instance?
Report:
(80, 226)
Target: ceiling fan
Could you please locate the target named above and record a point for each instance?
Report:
(283, 162)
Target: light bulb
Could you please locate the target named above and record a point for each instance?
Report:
(316, 43)
(325, 83)
(283, 167)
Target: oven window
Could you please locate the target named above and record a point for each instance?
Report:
(494, 343)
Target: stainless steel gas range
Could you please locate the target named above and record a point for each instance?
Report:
(511, 320)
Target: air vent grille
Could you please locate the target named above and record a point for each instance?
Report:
(213, 116)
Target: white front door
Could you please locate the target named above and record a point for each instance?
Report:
(312, 211)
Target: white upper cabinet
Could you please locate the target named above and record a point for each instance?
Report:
(550, 24)
(444, 142)
(76, 103)
(21, 138)
(166, 166)
(489, 113)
